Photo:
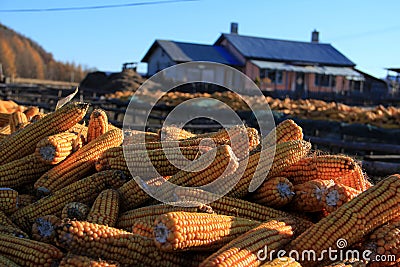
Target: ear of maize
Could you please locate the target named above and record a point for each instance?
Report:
(179, 231)
(132, 195)
(217, 163)
(337, 195)
(22, 171)
(308, 196)
(28, 252)
(269, 163)
(274, 192)
(324, 167)
(108, 243)
(285, 131)
(23, 142)
(78, 164)
(358, 217)
(244, 209)
(244, 250)
(105, 208)
(55, 148)
(98, 124)
(143, 161)
(84, 190)
(149, 213)
(8, 200)
(384, 243)
(143, 228)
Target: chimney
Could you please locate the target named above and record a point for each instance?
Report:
(234, 27)
(315, 36)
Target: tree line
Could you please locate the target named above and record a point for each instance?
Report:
(21, 57)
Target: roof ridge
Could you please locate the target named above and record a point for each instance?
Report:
(275, 39)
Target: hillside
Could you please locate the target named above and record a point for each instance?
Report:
(23, 58)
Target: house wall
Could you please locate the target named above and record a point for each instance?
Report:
(158, 60)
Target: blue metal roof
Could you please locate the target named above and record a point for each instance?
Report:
(184, 52)
(283, 50)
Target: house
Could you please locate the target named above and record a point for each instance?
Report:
(275, 65)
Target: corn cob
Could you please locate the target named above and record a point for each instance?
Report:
(85, 191)
(336, 195)
(55, 148)
(324, 167)
(83, 261)
(5, 130)
(355, 179)
(75, 210)
(274, 192)
(353, 220)
(28, 252)
(174, 144)
(22, 171)
(105, 208)
(244, 250)
(103, 162)
(43, 229)
(241, 139)
(136, 137)
(142, 162)
(179, 231)
(384, 243)
(241, 208)
(4, 119)
(149, 213)
(285, 131)
(169, 133)
(143, 228)
(308, 196)
(108, 243)
(282, 262)
(201, 172)
(132, 195)
(24, 141)
(78, 164)
(268, 163)
(30, 112)
(16, 119)
(8, 200)
(98, 124)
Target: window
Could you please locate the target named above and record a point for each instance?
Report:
(325, 80)
(272, 76)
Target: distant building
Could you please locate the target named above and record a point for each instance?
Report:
(299, 67)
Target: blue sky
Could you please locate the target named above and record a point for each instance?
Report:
(367, 32)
